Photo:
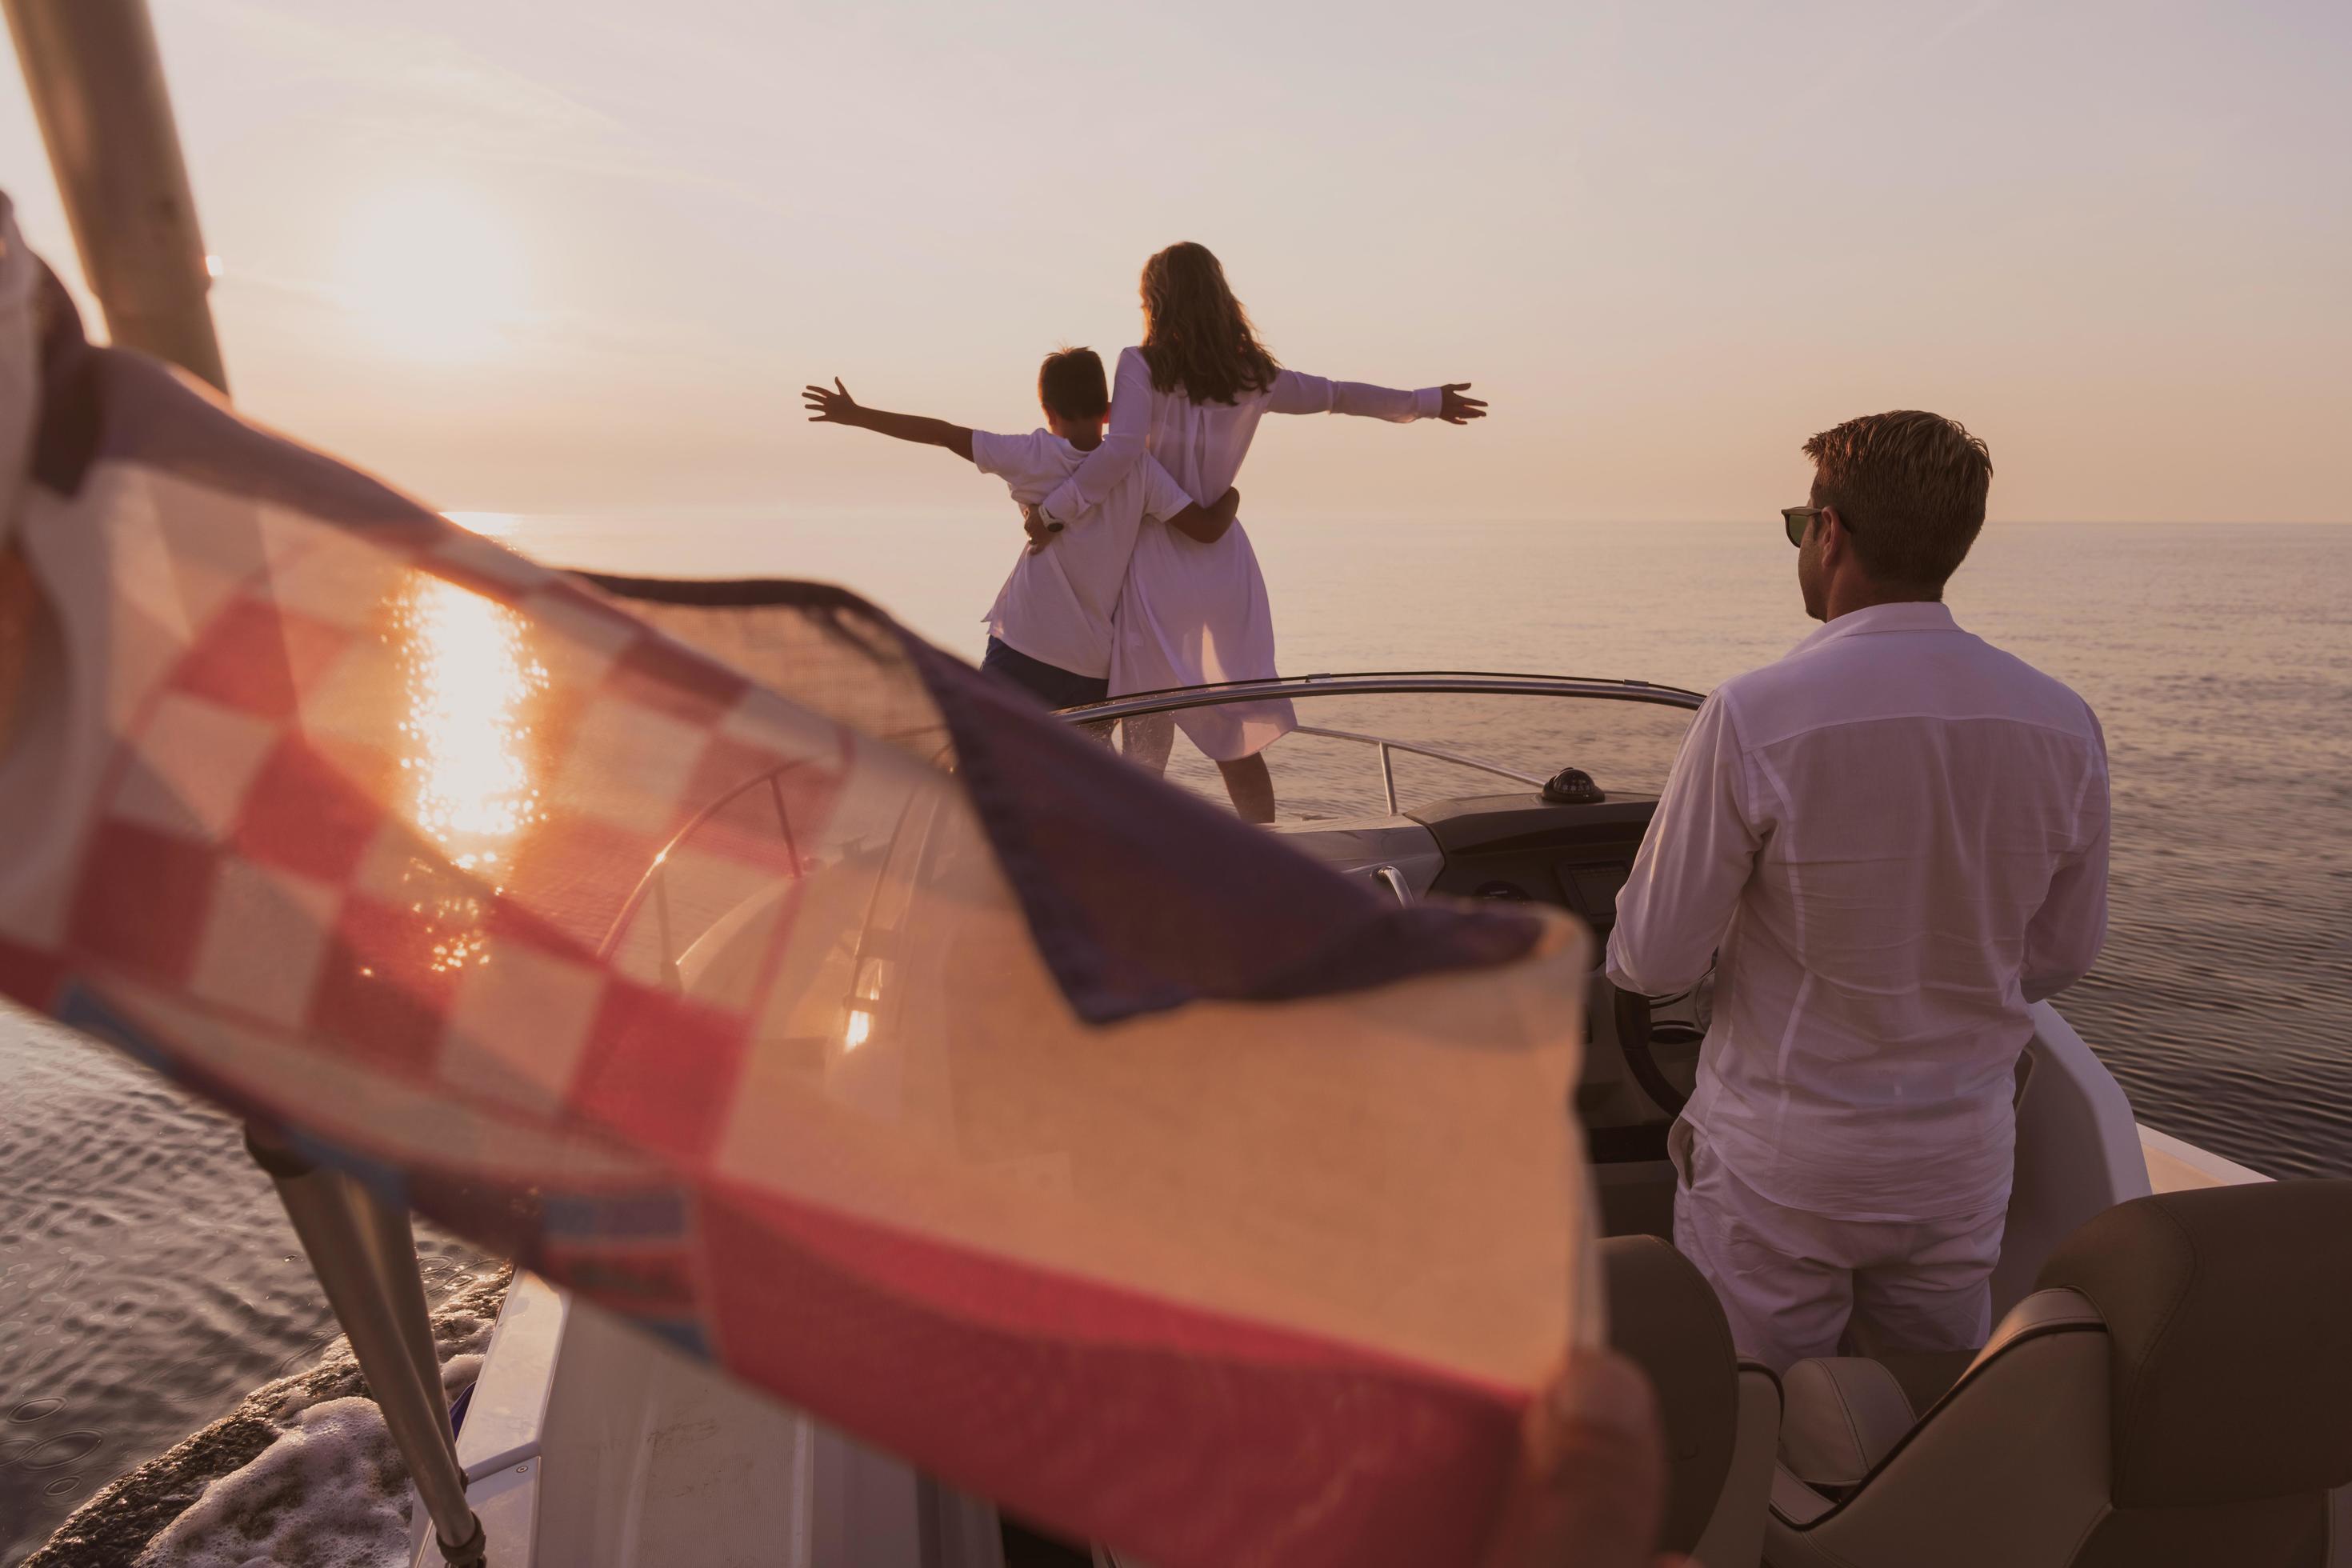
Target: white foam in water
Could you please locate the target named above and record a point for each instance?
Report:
(328, 1494)
(331, 1492)
(301, 1474)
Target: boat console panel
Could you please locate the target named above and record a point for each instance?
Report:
(1523, 847)
(1575, 855)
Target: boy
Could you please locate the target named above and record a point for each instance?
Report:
(1050, 628)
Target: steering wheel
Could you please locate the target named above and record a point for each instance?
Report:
(1633, 1014)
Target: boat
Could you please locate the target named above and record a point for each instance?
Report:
(586, 1444)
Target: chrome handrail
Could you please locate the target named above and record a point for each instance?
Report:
(651, 882)
(1448, 682)
(1452, 682)
(1414, 748)
(1462, 682)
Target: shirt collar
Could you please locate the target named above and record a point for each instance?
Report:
(1917, 615)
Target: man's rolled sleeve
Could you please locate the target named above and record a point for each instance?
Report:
(1696, 857)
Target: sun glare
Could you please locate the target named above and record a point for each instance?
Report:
(471, 682)
(433, 272)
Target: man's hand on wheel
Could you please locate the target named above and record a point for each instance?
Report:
(1456, 409)
(1591, 1478)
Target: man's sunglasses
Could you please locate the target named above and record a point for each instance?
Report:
(1798, 519)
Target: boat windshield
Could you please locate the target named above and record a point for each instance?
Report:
(1377, 745)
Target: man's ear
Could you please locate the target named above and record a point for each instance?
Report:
(1834, 541)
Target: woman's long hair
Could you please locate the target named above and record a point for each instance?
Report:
(1197, 339)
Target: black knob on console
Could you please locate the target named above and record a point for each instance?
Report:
(1573, 786)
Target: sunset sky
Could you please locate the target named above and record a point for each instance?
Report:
(581, 257)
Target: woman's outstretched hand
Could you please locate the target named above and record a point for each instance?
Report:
(831, 405)
(1454, 409)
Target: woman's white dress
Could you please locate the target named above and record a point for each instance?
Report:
(1194, 613)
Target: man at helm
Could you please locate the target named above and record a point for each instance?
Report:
(1889, 843)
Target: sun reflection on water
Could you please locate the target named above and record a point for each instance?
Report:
(471, 684)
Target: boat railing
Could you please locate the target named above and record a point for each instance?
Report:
(1386, 683)
(652, 885)
(1387, 746)
(1389, 683)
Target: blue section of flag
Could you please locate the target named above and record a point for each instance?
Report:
(79, 1007)
(1232, 913)
(384, 1182)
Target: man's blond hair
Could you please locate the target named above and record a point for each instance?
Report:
(1911, 489)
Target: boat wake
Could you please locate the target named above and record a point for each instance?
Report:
(301, 1472)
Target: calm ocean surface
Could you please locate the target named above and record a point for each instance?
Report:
(147, 1278)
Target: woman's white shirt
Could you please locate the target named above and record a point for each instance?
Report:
(1193, 614)
(1202, 444)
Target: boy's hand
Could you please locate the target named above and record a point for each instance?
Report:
(1229, 503)
(1040, 527)
(833, 407)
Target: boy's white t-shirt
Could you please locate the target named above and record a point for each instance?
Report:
(1057, 606)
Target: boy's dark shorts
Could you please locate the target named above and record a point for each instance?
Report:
(1048, 683)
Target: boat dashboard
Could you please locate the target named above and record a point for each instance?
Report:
(1515, 848)
(1640, 1057)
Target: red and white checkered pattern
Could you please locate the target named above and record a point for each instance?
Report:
(251, 852)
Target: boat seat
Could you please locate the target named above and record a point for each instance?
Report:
(2176, 1393)
(1925, 1376)
(1720, 1413)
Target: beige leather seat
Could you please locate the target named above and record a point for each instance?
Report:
(2176, 1392)
(1721, 1414)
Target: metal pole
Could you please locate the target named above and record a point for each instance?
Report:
(97, 86)
(347, 1252)
(391, 1254)
(96, 80)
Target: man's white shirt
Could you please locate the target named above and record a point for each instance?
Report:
(1897, 835)
(1057, 606)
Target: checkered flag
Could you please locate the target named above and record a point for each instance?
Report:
(755, 971)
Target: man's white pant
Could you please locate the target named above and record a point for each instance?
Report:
(1791, 1281)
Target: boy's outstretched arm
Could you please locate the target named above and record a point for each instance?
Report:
(833, 405)
(1208, 523)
